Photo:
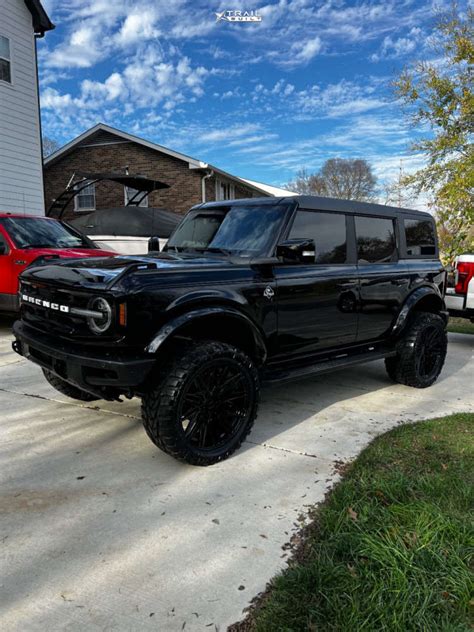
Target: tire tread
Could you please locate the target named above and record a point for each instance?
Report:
(158, 402)
(402, 367)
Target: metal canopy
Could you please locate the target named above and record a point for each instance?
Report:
(80, 180)
(141, 183)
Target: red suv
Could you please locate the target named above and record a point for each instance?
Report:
(26, 238)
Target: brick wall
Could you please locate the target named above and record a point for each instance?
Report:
(112, 155)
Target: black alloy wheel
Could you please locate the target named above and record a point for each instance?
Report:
(215, 404)
(204, 404)
(430, 349)
(421, 351)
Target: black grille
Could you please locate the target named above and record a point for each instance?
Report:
(55, 321)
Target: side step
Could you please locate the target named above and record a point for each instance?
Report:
(282, 375)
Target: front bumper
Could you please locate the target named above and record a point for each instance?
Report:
(106, 374)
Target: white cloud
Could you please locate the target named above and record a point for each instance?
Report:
(228, 133)
(81, 50)
(53, 100)
(148, 80)
(138, 26)
(393, 48)
(112, 88)
(305, 51)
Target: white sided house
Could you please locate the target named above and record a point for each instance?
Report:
(21, 164)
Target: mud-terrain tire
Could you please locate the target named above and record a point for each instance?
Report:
(203, 404)
(67, 389)
(421, 352)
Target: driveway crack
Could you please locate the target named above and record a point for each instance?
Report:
(298, 452)
(73, 404)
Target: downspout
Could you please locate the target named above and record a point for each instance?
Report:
(36, 36)
(209, 174)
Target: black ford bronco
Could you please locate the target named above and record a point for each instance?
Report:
(245, 292)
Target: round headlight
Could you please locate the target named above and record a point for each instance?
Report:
(100, 324)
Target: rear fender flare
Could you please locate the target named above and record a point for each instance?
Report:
(177, 323)
(410, 304)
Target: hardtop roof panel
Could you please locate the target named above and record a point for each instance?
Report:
(314, 202)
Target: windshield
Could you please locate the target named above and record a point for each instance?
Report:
(244, 230)
(32, 232)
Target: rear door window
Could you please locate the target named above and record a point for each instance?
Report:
(375, 239)
(420, 237)
(328, 231)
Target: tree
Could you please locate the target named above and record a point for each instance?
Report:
(49, 146)
(301, 183)
(395, 192)
(439, 95)
(350, 179)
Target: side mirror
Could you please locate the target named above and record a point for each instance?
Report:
(154, 244)
(297, 250)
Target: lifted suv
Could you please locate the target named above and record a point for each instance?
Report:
(245, 292)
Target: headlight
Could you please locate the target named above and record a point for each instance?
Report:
(100, 324)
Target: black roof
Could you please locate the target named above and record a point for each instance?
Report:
(352, 206)
(41, 21)
(315, 202)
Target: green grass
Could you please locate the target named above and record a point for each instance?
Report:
(390, 548)
(460, 326)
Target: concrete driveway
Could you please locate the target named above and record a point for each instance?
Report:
(102, 531)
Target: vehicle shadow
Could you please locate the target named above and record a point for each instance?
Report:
(6, 323)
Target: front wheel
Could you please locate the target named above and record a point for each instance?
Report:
(421, 352)
(204, 404)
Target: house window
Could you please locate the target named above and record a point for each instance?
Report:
(129, 193)
(5, 60)
(224, 190)
(85, 199)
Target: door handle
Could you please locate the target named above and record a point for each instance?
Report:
(19, 262)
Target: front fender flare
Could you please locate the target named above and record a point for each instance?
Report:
(178, 322)
(413, 299)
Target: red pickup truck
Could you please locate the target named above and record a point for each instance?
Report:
(26, 238)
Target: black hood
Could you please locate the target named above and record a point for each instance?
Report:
(103, 272)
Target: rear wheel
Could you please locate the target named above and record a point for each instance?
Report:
(67, 389)
(204, 405)
(420, 353)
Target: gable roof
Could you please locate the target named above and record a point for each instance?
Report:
(269, 188)
(193, 163)
(41, 21)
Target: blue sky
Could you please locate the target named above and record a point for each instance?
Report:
(309, 82)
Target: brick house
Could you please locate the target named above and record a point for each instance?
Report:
(105, 149)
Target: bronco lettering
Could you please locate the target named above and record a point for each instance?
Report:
(54, 306)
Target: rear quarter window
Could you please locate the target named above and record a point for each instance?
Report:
(420, 237)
